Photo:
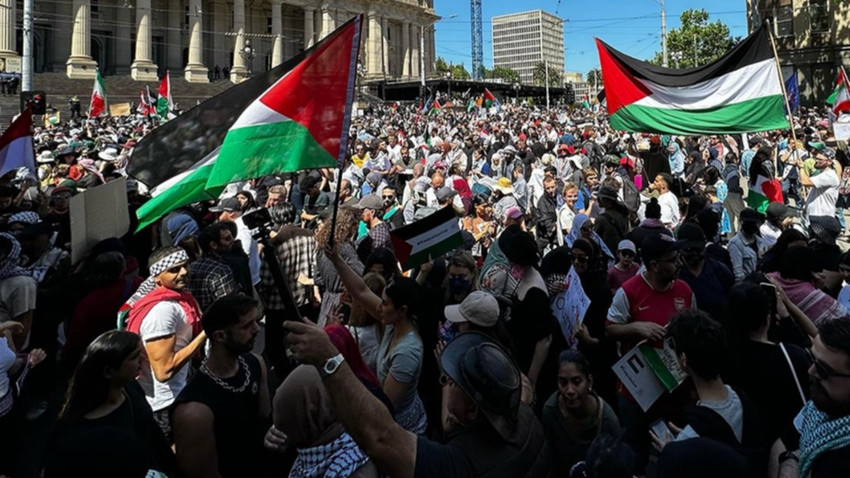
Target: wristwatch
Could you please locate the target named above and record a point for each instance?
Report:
(331, 366)
(788, 455)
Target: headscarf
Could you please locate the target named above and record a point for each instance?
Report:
(180, 226)
(25, 217)
(819, 434)
(303, 411)
(11, 266)
(88, 165)
(575, 233)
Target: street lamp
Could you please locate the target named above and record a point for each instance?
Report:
(677, 57)
(449, 81)
(422, 49)
(516, 92)
(248, 55)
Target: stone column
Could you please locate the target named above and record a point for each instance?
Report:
(80, 64)
(374, 46)
(173, 36)
(385, 47)
(288, 29)
(405, 49)
(327, 22)
(7, 29)
(414, 47)
(309, 22)
(123, 42)
(195, 71)
(239, 72)
(143, 69)
(277, 31)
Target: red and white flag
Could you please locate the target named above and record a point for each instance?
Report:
(145, 107)
(16, 148)
(98, 103)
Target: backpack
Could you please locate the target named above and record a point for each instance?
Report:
(631, 195)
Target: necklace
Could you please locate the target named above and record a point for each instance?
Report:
(242, 364)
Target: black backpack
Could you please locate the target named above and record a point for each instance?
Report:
(631, 195)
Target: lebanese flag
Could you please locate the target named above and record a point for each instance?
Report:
(427, 238)
(840, 97)
(738, 93)
(164, 105)
(301, 121)
(16, 148)
(97, 105)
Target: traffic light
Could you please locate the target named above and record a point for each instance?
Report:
(570, 93)
(36, 99)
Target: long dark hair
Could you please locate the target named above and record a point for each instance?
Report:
(88, 388)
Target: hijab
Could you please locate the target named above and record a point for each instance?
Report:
(575, 233)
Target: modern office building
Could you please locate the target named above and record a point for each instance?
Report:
(523, 40)
(144, 38)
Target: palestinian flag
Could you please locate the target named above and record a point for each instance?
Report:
(98, 104)
(738, 93)
(427, 238)
(839, 100)
(490, 99)
(435, 107)
(145, 107)
(16, 148)
(164, 104)
(764, 188)
(302, 121)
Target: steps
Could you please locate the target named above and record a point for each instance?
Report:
(119, 89)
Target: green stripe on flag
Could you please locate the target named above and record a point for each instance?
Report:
(656, 363)
(449, 244)
(262, 150)
(759, 114)
(757, 201)
(190, 189)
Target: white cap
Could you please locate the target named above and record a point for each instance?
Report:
(480, 308)
(626, 245)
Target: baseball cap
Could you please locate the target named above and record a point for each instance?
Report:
(777, 210)
(479, 308)
(229, 205)
(692, 236)
(444, 194)
(656, 246)
(513, 212)
(371, 201)
(627, 245)
(751, 215)
(488, 376)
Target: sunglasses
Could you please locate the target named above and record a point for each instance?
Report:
(823, 370)
(388, 197)
(579, 259)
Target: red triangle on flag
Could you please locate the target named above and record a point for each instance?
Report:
(621, 87)
(311, 93)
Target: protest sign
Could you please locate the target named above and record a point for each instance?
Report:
(570, 306)
(97, 214)
(647, 371)
(842, 130)
(119, 109)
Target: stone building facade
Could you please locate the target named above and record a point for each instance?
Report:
(144, 38)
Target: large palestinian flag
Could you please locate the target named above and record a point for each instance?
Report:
(302, 121)
(738, 93)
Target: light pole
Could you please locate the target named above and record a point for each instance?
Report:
(26, 68)
(247, 53)
(663, 33)
(449, 81)
(677, 57)
(516, 92)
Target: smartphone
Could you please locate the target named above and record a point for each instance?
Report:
(659, 428)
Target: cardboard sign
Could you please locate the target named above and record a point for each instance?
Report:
(569, 307)
(119, 109)
(648, 371)
(97, 214)
(842, 130)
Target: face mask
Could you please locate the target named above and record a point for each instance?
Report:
(458, 285)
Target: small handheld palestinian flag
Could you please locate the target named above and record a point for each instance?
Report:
(427, 238)
(740, 92)
(164, 104)
(490, 99)
(764, 187)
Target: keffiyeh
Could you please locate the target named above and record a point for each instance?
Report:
(10, 266)
(169, 261)
(337, 459)
(819, 434)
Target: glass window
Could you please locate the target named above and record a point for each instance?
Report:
(819, 16)
(784, 21)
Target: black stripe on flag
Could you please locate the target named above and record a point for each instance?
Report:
(434, 222)
(753, 49)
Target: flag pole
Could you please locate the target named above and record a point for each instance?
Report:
(785, 97)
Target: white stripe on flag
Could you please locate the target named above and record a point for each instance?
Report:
(433, 237)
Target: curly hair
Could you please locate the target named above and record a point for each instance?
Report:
(346, 226)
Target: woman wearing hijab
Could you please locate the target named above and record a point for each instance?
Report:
(582, 227)
(676, 158)
(303, 411)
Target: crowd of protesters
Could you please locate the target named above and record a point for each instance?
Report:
(174, 351)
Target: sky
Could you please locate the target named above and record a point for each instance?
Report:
(631, 26)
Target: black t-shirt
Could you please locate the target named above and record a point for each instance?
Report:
(438, 460)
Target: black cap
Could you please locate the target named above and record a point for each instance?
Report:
(692, 236)
(229, 205)
(751, 215)
(656, 246)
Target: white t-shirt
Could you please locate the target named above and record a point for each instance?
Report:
(822, 197)
(250, 246)
(669, 208)
(7, 359)
(17, 297)
(770, 234)
(165, 318)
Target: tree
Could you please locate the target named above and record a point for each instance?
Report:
(538, 75)
(595, 76)
(696, 36)
(505, 73)
(441, 65)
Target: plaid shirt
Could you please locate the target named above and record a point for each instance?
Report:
(296, 251)
(209, 279)
(379, 236)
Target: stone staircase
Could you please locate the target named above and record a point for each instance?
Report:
(119, 89)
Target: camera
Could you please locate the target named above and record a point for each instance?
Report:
(258, 219)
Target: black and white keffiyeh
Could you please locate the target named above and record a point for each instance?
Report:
(337, 459)
(169, 261)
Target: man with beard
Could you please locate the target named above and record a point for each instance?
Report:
(820, 439)
(221, 416)
(210, 277)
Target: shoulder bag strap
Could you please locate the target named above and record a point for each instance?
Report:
(793, 373)
(600, 406)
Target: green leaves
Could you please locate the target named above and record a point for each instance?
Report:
(697, 41)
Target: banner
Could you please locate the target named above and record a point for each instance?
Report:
(569, 307)
(648, 371)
